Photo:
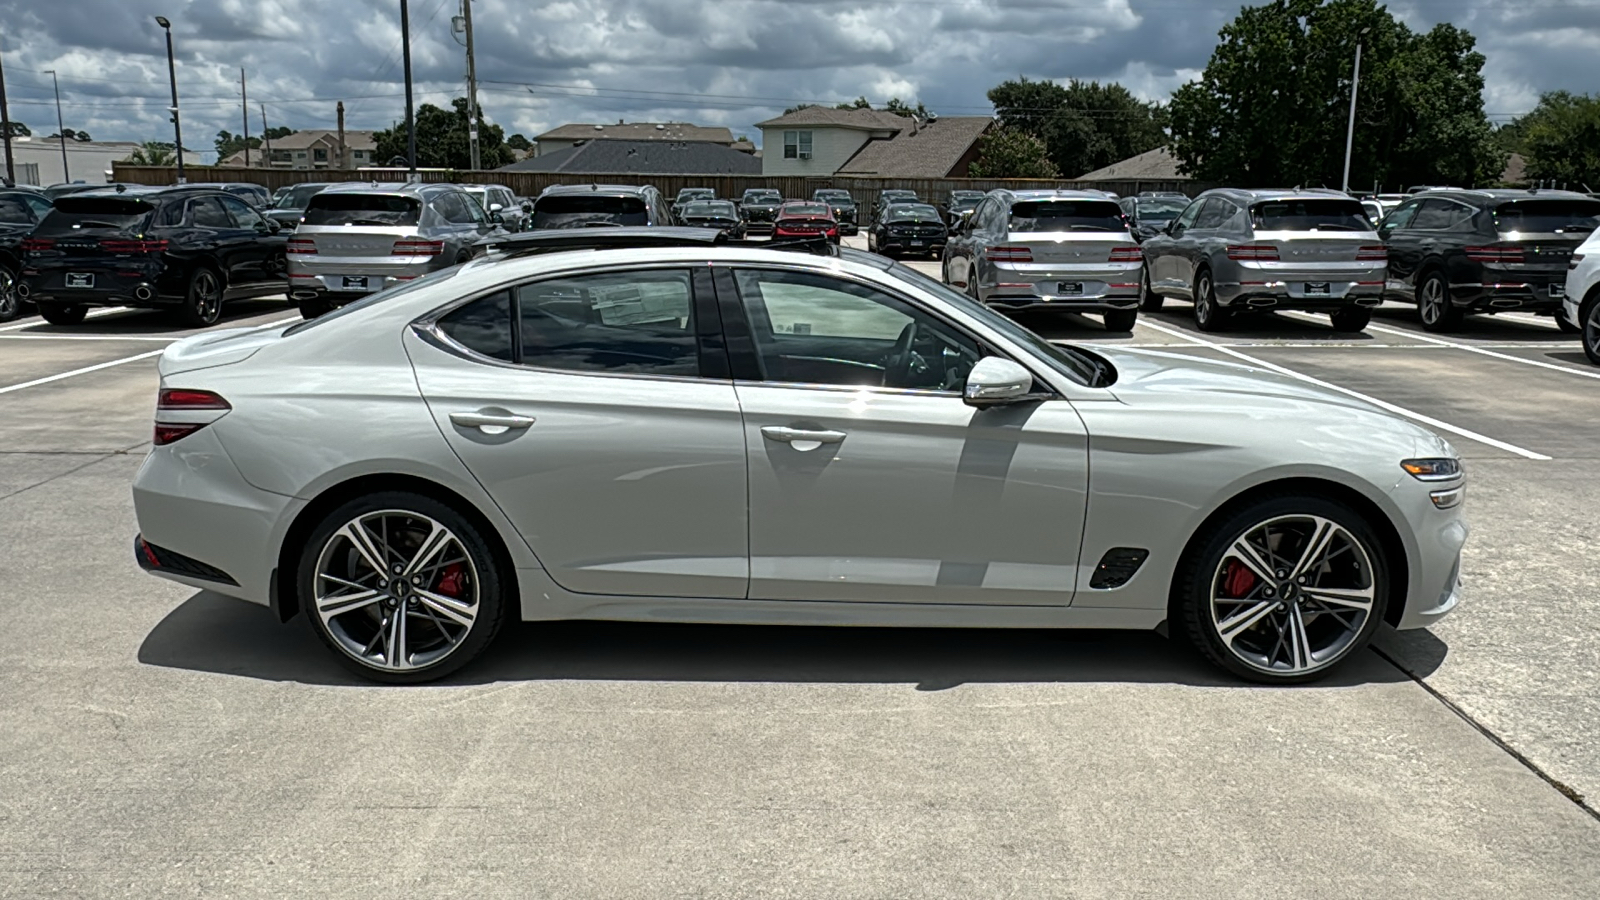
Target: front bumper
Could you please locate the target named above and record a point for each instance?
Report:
(1433, 587)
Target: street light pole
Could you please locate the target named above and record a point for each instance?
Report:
(411, 118)
(61, 129)
(5, 128)
(172, 75)
(1350, 131)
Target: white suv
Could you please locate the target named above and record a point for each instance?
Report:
(1582, 306)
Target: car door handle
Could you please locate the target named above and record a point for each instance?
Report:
(491, 423)
(788, 435)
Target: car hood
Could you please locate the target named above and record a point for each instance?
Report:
(216, 348)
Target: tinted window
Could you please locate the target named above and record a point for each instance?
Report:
(711, 208)
(912, 213)
(207, 212)
(626, 322)
(483, 326)
(382, 210)
(1401, 217)
(1155, 211)
(1546, 216)
(1309, 215)
(696, 194)
(15, 211)
(452, 207)
(95, 213)
(805, 209)
(298, 196)
(1215, 213)
(169, 215)
(1439, 215)
(1066, 215)
(241, 212)
(812, 329)
(585, 210)
(1190, 213)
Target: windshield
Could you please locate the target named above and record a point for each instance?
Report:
(298, 196)
(1076, 364)
(1066, 215)
(75, 213)
(381, 210)
(761, 196)
(840, 198)
(1160, 210)
(912, 213)
(695, 194)
(1548, 216)
(1309, 215)
(588, 211)
(708, 208)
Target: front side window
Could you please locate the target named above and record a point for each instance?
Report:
(241, 212)
(816, 329)
(797, 145)
(13, 211)
(622, 322)
(1192, 212)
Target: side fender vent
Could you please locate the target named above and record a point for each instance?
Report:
(1117, 567)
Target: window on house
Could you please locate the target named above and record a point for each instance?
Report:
(319, 155)
(299, 154)
(797, 145)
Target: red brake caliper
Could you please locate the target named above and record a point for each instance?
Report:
(450, 583)
(1238, 580)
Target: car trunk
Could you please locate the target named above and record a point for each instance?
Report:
(1068, 233)
(92, 234)
(1539, 236)
(1314, 240)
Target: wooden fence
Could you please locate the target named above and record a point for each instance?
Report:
(529, 184)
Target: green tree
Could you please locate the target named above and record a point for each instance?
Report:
(1085, 124)
(152, 153)
(1270, 107)
(20, 130)
(858, 103)
(901, 108)
(228, 143)
(71, 135)
(519, 142)
(1012, 153)
(442, 139)
(1562, 140)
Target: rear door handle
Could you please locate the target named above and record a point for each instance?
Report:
(491, 422)
(788, 435)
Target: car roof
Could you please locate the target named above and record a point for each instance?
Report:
(146, 192)
(1503, 194)
(1059, 194)
(382, 187)
(1257, 195)
(615, 189)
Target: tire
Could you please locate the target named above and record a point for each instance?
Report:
(202, 302)
(1149, 300)
(62, 313)
(1350, 320)
(442, 626)
(1589, 314)
(972, 284)
(10, 303)
(1120, 319)
(1209, 315)
(1243, 635)
(317, 306)
(1434, 308)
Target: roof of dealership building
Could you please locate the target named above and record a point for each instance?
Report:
(649, 157)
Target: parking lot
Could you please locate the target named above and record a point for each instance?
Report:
(160, 741)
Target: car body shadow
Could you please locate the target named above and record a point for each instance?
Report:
(153, 322)
(213, 633)
(1262, 326)
(1503, 327)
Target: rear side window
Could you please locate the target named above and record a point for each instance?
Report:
(483, 326)
(584, 211)
(13, 211)
(624, 322)
(1309, 215)
(378, 210)
(93, 213)
(208, 212)
(1066, 215)
(1548, 216)
(1440, 215)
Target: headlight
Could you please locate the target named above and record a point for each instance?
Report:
(1432, 469)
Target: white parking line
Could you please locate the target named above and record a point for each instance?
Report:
(1457, 345)
(1197, 341)
(86, 337)
(86, 369)
(91, 314)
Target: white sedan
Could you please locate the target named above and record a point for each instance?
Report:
(708, 433)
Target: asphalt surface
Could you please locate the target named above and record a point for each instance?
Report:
(158, 741)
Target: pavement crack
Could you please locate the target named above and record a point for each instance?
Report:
(78, 468)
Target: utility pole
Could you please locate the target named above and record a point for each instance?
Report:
(411, 117)
(344, 162)
(5, 126)
(61, 129)
(1350, 132)
(244, 92)
(472, 88)
(266, 134)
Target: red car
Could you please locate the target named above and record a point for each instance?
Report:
(801, 219)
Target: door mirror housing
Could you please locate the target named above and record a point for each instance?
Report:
(996, 381)
(496, 207)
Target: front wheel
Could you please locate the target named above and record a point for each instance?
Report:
(1149, 300)
(401, 587)
(1350, 320)
(1120, 319)
(1566, 326)
(62, 313)
(1285, 590)
(10, 303)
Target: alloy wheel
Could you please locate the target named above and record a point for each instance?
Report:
(1591, 332)
(396, 590)
(1431, 305)
(205, 298)
(10, 304)
(1293, 594)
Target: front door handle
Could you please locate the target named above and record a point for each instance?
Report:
(491, 422)
(788, 435)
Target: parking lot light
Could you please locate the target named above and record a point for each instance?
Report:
(172, 76)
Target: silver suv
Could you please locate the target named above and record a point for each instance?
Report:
(1238, 250)
(1067, 250)
(357, 239)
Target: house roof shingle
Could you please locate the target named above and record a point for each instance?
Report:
(1152, 165)
(300, 140)
(827, 116)
(930, 150)
(638, 131)
(609, 157)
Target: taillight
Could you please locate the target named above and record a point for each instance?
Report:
(1573, 262)
(1253, 252)
(1499, 253)
(417, 247)
(1009, 254)
(182, 404)
(34, 245)
(301, 246)
(1376, 253)
(1126, 254)
(119, 246)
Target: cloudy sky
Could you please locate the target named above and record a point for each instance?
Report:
(543, 63)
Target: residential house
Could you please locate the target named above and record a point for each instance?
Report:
(568, 136)
(315, 149)
(818, 140)
(613, 157)
(1153, 168)
(943, 147)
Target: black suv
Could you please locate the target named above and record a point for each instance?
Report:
(759, 208)
(599, 206)
(843, 206)
(889, 198)
(20, 212)
(182, 248)
(1150, 213)
(1454, 252)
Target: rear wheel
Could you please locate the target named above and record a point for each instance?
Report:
(401, 587)
(1434, 306)
(1350, 320)
(1209, 315)
(62, 313)
(1120, 319)
(10, 303)
(1590, 315)
(972, 284)
(202, 304)
(1149, 300)
(1285, 589)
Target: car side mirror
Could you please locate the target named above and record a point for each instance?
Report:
(496, 207)
(996, 381)
(267, 226)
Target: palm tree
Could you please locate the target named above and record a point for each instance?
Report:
(152, 153)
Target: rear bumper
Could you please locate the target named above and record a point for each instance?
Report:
(111, 288)
(1001, 302)
(1297, 295)
(934, 246)
(1521, 293)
